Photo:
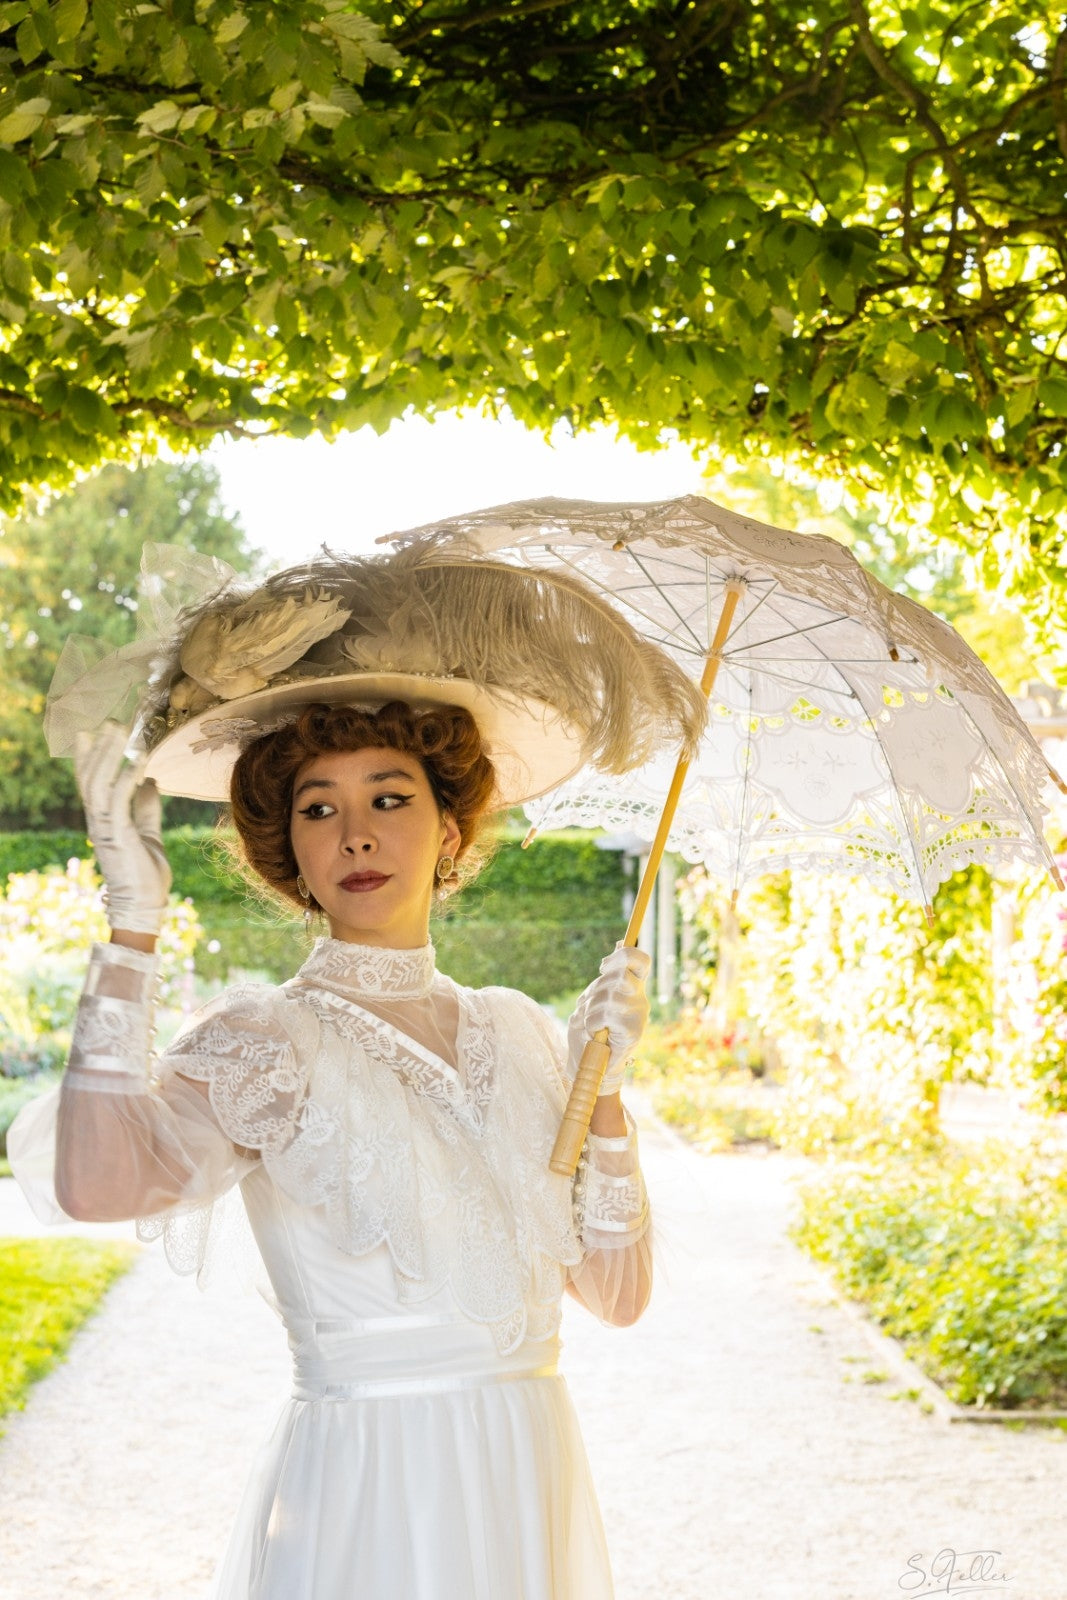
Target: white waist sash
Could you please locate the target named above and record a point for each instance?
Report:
(430, 1353)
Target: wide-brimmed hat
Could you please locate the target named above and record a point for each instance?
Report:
(553, 677)
(531, 747)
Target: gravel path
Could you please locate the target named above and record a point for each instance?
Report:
(738, 1449)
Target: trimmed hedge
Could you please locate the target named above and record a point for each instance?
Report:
(543, 959)
(30, 851)
(538, 919)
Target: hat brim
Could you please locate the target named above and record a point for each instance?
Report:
(532, 748)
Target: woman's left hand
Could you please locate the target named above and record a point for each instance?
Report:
(616, 1000)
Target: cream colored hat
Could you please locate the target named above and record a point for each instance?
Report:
(553, 677)
(531, 747)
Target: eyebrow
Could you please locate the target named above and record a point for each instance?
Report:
(372, 777)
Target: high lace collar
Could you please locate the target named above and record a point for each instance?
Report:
(363, 969)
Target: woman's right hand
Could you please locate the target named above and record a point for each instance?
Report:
(124, 816)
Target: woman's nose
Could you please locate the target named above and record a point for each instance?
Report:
(359, 840)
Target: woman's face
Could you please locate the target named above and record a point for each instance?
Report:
(367, 836)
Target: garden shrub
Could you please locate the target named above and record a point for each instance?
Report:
(960, 1255)
(872, 1011)
(1033, 1035)
(711, 1086)
(48, 919)
(544, 959)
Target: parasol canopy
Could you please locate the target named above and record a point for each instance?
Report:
(850, 729)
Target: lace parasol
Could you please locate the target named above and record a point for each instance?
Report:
(849, 729)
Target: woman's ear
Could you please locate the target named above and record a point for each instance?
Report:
(452, 838)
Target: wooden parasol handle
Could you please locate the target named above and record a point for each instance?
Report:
(593, 1065)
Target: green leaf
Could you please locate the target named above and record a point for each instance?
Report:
(545, 278)
(756, 295)
(150, 182)
(28, 41)
(1052, 393)
(174, 60)
(231, 27)
(325, 113)
(608, 202)
(1020, 403)
(24, 120)
(75, 124)
(105, 20)
(159, 118)
(89, 412)
(14, 176)
(69, 18)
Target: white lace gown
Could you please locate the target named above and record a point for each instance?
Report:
(389, 1131)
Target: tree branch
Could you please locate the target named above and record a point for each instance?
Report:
(1059, 111)
(461, 21)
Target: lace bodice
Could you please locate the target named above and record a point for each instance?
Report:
(412, 1113)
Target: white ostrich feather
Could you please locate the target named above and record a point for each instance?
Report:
(534, 633)
(234, 652)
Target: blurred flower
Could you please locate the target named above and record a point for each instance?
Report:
(48, 920)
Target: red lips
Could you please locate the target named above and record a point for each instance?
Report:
(357, 882)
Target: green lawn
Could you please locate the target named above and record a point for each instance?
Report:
(47, 1289)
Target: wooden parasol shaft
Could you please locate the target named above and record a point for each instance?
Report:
(590, 1075)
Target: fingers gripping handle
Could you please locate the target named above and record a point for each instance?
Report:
(576, 1118)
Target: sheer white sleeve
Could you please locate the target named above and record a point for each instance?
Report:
(614, 1221)
(127, 1136)
(612, 1214)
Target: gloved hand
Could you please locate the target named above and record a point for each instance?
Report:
(124, 817)
(616, 1001)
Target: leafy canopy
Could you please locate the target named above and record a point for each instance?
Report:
(773, 230)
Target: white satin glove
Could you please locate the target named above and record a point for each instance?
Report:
(124, 816)
(616, 1001)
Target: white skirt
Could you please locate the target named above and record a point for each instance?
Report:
(480, 1492)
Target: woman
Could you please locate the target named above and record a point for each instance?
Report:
(390, 1132)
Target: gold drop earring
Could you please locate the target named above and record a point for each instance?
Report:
(305, 894)
(445, 868)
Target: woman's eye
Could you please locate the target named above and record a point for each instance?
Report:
(390, 802)
(315, 810)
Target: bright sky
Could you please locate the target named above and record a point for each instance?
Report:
(292, 495)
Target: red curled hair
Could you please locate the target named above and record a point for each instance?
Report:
(445, 741)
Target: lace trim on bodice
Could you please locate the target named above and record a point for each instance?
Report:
(360, 971)
(414, 1064)
(447, 1167)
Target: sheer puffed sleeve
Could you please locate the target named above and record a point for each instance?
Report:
(612, 1214)
(126, 1136)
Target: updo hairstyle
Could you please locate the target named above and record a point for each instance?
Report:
(445, 741)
